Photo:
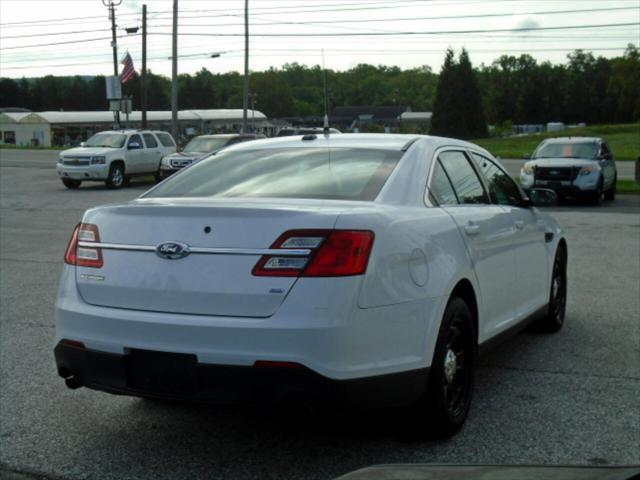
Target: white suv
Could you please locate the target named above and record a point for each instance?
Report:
(115, 156)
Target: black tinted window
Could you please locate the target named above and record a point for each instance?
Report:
(344, 173)
(165, 139)
(441, 188)
(463, 177)
(149, 140)
(502, 188)
(135, 139)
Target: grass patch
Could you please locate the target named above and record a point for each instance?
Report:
(627, 186)
(624, 140)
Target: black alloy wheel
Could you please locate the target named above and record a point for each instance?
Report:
(554, 320)
(445, 404)
(70, 183)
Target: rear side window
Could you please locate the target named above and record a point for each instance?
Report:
(441, 188)
(150, 140)
(165, 139)
(502, 189)
(342, 173)
(463, 178)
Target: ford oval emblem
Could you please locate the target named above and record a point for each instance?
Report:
(172, 250)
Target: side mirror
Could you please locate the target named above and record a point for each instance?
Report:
(607, 156)
(542, 197)
(134, 146)
(526, 156)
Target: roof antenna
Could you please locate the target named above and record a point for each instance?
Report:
(326, 109)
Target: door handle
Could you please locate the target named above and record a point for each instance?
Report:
(519, 224)
(472, 229)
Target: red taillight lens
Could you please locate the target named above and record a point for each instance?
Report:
(84, 255)
(332, 253)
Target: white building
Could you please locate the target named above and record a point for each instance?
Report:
(47, 129)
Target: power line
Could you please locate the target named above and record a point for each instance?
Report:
(447, 17)
(66, 42)
(93, 30)
(334, 53)
(165, 12)
(380, 34)
(50, 20)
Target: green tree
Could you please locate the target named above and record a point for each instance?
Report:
(624, 86)
(458, 111)
(8, 93)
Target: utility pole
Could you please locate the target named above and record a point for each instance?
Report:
(253, 96)
(245, 93)
(174, 74)
(143, 76)
(114, 44)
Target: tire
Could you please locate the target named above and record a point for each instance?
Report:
(445, 404)
(71, 184)
(611, 193)
(159, 176)
(116, 176)
(596, 197)
(554, 318)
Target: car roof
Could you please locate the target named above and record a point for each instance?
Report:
(376, 141)
(227, 135)
(573, 140)
(127, 131)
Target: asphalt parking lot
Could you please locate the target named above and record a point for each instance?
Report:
(569, 398)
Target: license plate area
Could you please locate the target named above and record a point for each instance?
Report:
(162, 372)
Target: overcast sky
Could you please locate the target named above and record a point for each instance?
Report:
(286, 31)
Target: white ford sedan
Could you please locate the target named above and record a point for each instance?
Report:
(356, 269)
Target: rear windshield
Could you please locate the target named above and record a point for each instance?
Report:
(587, 150)
(200, 145)
(344, 173)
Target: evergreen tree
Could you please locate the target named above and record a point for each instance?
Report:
(469, 99)
(457, 109)
(444, 119)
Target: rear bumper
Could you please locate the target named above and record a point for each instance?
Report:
(112, 373)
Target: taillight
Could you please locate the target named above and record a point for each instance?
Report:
(330, 253)
(84, 255)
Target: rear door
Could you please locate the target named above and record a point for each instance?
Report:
(488, 233)
(529, 241)
(153, 154)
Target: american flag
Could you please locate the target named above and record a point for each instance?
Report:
(128, 71)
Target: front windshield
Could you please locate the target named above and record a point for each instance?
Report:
(345, 173)
(205, 145)
(586, 150)
(111, 140)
